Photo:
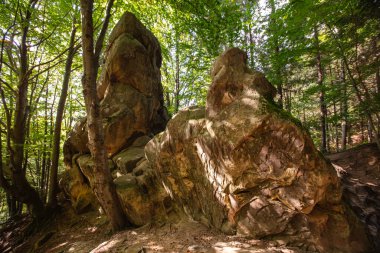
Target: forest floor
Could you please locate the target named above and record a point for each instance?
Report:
(90, 232)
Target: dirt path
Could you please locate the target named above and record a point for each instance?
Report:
(69, 232)
(90, 232)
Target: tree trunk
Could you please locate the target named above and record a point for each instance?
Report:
(336, 125)
(344, 108)
(177, 84)
(12, 204)
(167, 95)
(277, 65)
(177, 69)
(377, 74)
(53, 180)
(322, 103)
(103, 186)
(251, 43)
(378, 80)
(45, 148)
(362, 129)
(369, 130)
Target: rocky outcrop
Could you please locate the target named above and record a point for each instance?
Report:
(129, 88)
(132, 109)
(244, 166)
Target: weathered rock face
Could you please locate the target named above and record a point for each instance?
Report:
(241, 164)
(244, 166)
(231, 77)
(74, 184)
(142, 197)
(129, 88)
(132, 109)
(359, 169)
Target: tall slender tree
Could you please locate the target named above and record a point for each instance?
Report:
(53, 180)
(103, 186)
(322, 102)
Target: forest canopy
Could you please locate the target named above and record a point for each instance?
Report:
(322, 57)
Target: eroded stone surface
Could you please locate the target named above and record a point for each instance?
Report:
(244, 166)
(74, 184)
(359, 169)
(129, 88)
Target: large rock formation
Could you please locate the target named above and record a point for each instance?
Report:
(132, 109)
(241, 164)
(244, 166)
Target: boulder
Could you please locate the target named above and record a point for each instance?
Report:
(127, 160)
(245, 166)
(142, 197)
(230, 77)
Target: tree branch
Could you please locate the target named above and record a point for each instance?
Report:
(5, 35)
(50, 61)
(102, 34)
(47, 69)
(7, 85)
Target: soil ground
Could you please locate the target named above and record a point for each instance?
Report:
(90, 232)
